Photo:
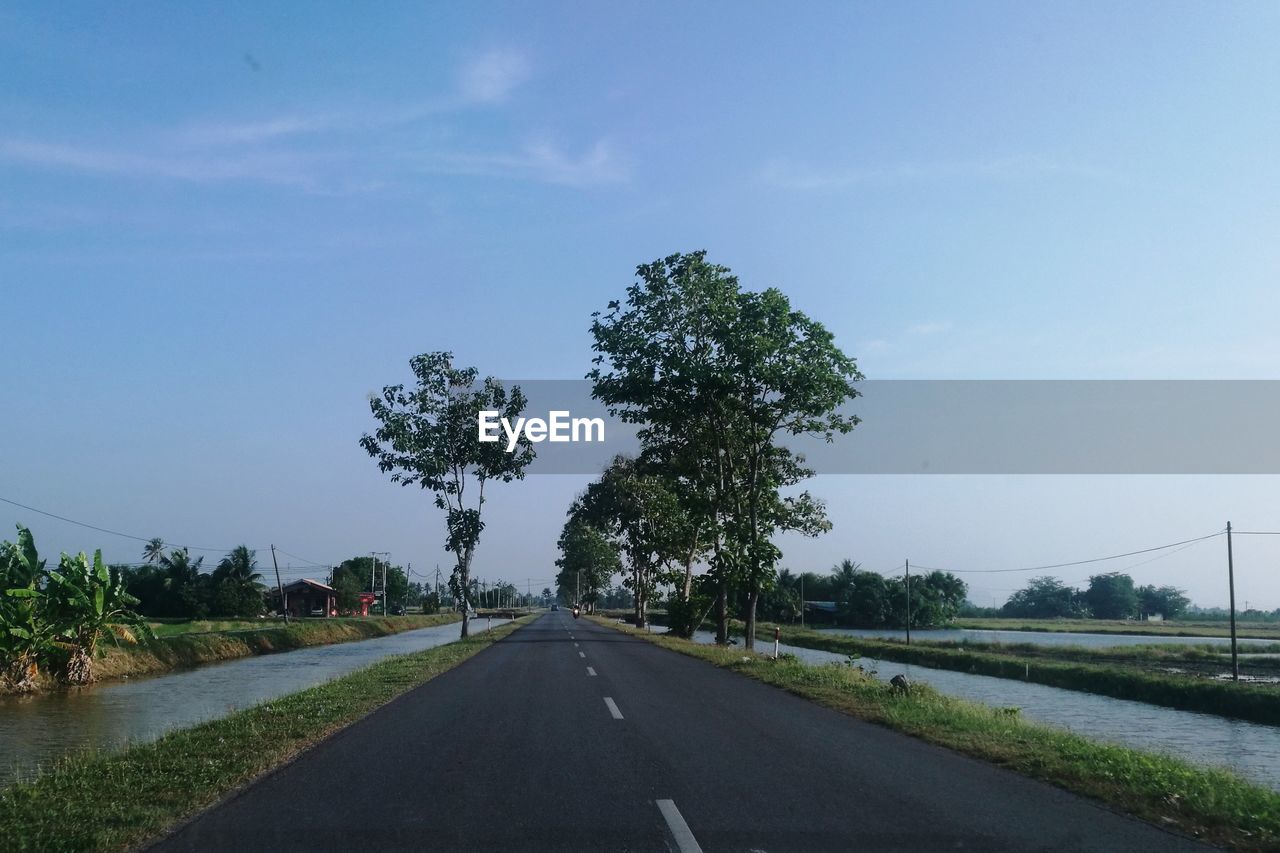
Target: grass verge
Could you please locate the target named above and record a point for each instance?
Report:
(179, 651)
(1256, 703)
(1212, 804)
(106, 802)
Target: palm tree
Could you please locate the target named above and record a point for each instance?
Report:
(153, 551)
(237, 586)
(240, 567)
(842, 576)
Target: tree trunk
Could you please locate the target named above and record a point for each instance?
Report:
(464, 584)
(722, 613)
(79, 667)
(749, 639)
(637, 605)
(20, 673)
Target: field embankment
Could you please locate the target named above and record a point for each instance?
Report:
(1211, 804)
(193, 648)
(1171, 628)
(1256, 703)
(107, 802)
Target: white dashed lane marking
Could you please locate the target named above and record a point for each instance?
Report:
(685, 842)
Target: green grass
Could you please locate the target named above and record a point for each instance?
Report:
(1256, 703)
(1176, 628)
(1212, 804)
(107, 802)
(165, 628)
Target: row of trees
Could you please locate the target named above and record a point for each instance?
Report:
(55, 617)
(716, 377)
(1108, 596)
(174, 584)
(869, 600)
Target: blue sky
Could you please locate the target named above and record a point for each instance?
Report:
(220, 229)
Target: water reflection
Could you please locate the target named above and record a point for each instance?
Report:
(35, 730)
(1042, 638)
(1250, 749)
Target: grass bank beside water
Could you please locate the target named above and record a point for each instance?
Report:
(188, 649)
(1212, 804)
(107, 802)
(1044, 665)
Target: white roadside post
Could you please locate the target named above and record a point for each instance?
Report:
(777, 637)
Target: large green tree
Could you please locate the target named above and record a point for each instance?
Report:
(429, 437)
(1045, 598)
(588, 560)
(642, 516)
(1112, 596)
(1170, 602)
(716, 376)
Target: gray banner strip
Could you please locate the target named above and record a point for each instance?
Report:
(997, 427)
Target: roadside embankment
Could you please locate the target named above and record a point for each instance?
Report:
(180, 651)
(1212, 804)
(1255, 703)
(108, 802)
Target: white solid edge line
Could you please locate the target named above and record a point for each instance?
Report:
(679, 829)
(613, 708)
(591, 671)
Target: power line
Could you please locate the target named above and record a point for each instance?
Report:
(1080, 562)
(112, 532)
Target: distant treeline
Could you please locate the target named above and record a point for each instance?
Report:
(863, 599)
(173, 584)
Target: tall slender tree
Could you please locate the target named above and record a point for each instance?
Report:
(428, 437)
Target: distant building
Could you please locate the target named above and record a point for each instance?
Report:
(308, 597)
(1152, 617)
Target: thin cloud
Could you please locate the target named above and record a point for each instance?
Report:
(932, 328)
(539, 162)
(249, 133)
(491, 77)
(790, 175)
(262, 167)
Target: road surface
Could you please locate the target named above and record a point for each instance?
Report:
(571, 736)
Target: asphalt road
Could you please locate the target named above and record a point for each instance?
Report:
(570, 736)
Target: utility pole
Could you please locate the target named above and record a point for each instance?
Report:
(802, 602)
(907, 566)
(1231, 582)
(577, 587)
(385, 564)
(279, 586)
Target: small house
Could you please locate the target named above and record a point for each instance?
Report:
(308, 597)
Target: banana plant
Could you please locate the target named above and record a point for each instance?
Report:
(86, 602)
(25, 635)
